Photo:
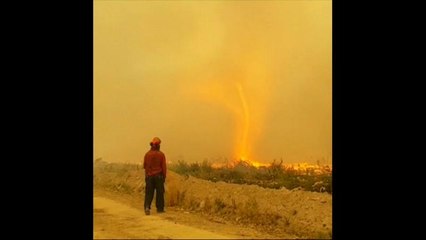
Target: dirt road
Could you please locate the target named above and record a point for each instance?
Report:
(117, 220)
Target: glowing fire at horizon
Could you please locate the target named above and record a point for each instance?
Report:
(232, 164)
(291, 167)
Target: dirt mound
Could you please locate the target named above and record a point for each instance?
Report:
(306, 214)
(302, 213)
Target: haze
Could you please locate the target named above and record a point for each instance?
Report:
(213, 80)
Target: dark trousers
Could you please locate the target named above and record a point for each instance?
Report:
(154, 183)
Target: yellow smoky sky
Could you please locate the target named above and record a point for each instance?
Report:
(213, 80)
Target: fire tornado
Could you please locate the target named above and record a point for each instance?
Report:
(243, 147)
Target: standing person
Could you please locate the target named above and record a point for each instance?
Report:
(155, 175)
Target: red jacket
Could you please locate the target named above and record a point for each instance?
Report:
(155, 163)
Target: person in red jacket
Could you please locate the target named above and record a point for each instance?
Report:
(155, 175)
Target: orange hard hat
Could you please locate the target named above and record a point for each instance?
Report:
(156, 141)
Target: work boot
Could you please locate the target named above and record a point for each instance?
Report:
(147, 212)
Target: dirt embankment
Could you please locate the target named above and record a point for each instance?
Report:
(276, 212)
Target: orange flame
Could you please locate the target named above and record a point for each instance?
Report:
(242, 147)
(232, 164)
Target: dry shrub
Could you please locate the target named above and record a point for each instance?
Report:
(218, 205)
(207, 204)
(191, 204)
(250, 209)
(172, 194)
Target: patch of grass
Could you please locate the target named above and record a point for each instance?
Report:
(181, 198)
(323, 235)
(218, 205)
(123, 188)
(250, 209)
(192, 204)
(208, 205)
(286, 220)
